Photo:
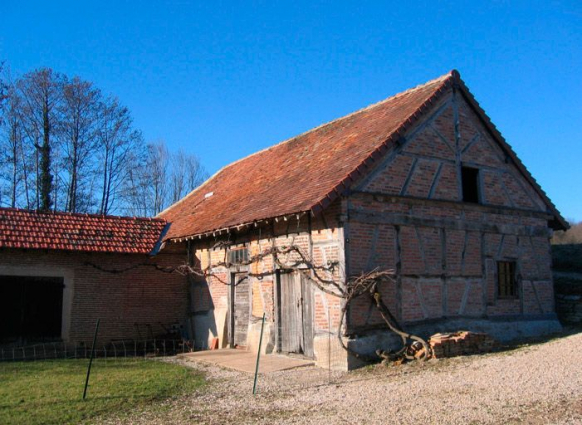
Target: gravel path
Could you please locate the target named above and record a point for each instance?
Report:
(536, 384)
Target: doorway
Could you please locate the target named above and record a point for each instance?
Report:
(31, 308)
(295, 314)
(239, 310)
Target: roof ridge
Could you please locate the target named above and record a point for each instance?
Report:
(451, 74)
(381, 149)
(351, 114)
(76, 214)
(496, 133)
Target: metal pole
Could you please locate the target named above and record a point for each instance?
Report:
(91, 359)
(329, 342)
(259, 355)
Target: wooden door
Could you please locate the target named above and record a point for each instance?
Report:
(239, 310)
(295, 314)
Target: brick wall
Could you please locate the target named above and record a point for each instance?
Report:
(141, 296)
(319, 238)
(408, 216)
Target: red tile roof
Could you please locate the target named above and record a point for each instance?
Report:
(78, 232)
(299, 174)
(307, 172)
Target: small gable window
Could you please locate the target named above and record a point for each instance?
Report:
(506, 280)
(470, 181)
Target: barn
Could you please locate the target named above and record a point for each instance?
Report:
(421, 187)
(421, 184)
(60, 272)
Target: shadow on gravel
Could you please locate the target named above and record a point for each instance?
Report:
(568, 330)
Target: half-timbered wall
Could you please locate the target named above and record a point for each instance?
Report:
(320, 238)
(408, 216)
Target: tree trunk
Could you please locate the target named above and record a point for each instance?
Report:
(102, 210)
(72, 201)
(46, 178)
(14, 166)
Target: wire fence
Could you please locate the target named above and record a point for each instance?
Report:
(126, 348)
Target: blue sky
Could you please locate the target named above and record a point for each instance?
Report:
(225, 79)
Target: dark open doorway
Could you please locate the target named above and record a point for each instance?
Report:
(30, 308)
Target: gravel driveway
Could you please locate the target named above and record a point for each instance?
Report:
(534, 384)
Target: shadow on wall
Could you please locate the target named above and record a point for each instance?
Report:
(567, 257)
(567, 273)
(204, 329)
(203, 317)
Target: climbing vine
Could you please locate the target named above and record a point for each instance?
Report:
(292, 258)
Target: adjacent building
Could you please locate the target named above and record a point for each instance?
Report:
(60, 272)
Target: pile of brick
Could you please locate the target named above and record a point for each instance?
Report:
(461, 343)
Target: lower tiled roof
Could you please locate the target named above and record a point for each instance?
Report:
(78, 232)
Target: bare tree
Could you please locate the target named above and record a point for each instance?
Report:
(41, 91)
(186, 174)
(11, 145)
(63, 146)
(147, 187)
(571, 236)
(17, 154)
(136, 185)
(79, 112)
(157, 166)
(3, 92)
(3, 97)
(160, 178)
(117, 139)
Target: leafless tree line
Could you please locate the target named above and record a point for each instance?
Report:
(65, 146)
(571, 236)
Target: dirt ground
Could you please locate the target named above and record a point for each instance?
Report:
(533, 384)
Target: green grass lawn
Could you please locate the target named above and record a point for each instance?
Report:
(50, 392)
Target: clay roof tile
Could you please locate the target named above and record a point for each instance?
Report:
(300, 174)
(78, 232)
